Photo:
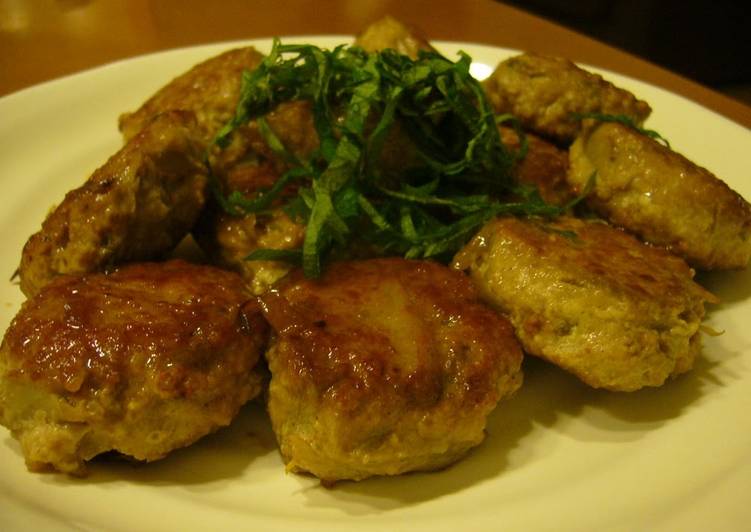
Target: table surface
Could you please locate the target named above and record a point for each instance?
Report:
(45, 39)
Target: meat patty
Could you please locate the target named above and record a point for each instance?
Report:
(544, 92)
(662, 197)
(210, 89)
(545, 166)
(389, 33)
(590, 298)
(383, 366)
(228, 240)
(142, 361)
(137, 206)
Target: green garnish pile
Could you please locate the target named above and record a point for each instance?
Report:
(430, 210)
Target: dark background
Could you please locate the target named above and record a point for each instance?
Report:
(709, 42)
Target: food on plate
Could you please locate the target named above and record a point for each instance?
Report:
(383, 366)
(141, 361)
(546, 93)
(228, 240)
(543, 166)
(138, 206)
(285, 169)
(619, 314)
(659, 195)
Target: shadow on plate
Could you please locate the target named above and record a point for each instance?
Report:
(729, 286)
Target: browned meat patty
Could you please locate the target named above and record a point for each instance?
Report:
(545, 166)
(590, 298)
(662, 197)
(210, 89)
(391, 33)
(137, 206)
(142, 361)
(543, 92)
(383, 366)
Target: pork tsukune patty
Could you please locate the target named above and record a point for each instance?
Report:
(662, 197)
(384, 366)
(142, 361)
(545, 93)
(137, 206)
(590, 298)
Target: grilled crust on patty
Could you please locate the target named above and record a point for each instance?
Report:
(590, 298)
(142, 361)
(662, 197)
(544, 166)
(543, 92)
(383, 366)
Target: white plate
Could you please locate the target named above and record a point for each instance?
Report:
(558, 455)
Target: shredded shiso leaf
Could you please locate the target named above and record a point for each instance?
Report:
(432, 208)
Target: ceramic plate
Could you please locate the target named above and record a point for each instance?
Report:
(558, 455)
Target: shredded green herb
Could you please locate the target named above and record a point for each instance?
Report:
(430, 210)
(626, 121)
